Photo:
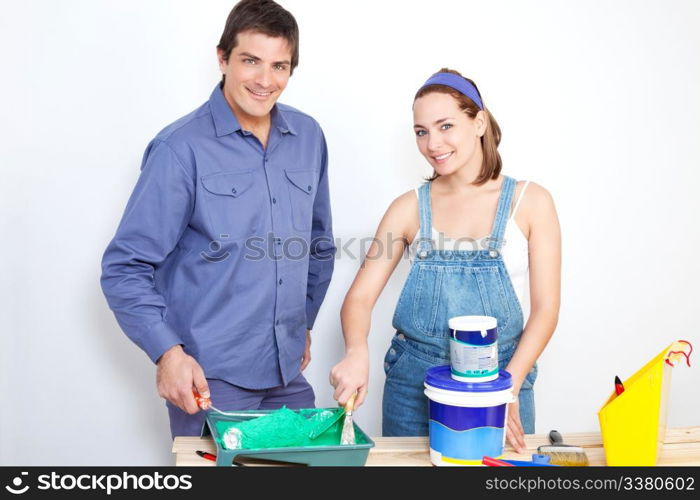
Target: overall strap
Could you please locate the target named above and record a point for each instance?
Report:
(425, 241)
(502, 215)
(520, 198)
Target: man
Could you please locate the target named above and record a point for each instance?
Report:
(225, 251)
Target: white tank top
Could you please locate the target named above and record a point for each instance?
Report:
(514, 252)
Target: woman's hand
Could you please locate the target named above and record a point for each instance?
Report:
(514, 429)
(350, 376)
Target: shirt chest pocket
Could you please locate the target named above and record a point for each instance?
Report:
(232, 204)
(302, 192)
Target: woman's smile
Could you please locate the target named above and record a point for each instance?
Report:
(440, 159)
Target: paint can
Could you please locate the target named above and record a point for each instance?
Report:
(474, 348)
(466, 420)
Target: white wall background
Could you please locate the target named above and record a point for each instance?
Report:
(598, 102)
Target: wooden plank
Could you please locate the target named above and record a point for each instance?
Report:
(682, 447)
(680, 454)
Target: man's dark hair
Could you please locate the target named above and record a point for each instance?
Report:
(262, 16)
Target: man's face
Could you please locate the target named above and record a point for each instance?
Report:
(257, 71)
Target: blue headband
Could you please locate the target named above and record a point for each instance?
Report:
(458, 83)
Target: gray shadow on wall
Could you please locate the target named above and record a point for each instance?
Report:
(144, 434)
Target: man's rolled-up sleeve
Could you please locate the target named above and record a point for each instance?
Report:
(322, 247)
(155, 217)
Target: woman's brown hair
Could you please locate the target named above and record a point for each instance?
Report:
(492, 164)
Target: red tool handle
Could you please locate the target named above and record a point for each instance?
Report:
(207, 455)
(494, 462)
(203, 403)
(619, 388)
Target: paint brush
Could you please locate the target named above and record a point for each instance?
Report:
(563, 454)
(348, 435)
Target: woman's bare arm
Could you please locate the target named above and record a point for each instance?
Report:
(396, 230)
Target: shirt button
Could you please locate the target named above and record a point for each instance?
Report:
(309, 188)
(280, 281)
(233, 190)
(493, 253)
(401, 336)
(277, 322)
(392, 351)
(274, 200)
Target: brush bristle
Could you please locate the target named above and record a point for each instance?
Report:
(567, 458)
(347, 435)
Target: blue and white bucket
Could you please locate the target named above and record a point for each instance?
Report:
(466, 421)
(474, 348)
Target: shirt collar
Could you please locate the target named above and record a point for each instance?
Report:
(225, 120)
(279, 120)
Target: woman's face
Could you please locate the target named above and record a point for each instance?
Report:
(446, 136)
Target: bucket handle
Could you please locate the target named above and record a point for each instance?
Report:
(676, 354)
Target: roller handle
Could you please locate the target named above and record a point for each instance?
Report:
(203, 403)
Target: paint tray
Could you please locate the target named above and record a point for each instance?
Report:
(326, 450)
(633, 424)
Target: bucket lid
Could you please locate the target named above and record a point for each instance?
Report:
(440, 378)
(472, 323)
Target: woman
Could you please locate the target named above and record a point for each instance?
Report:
(495, 237)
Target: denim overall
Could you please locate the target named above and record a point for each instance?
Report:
(443, 284)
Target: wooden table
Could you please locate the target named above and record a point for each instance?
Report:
(681, 447)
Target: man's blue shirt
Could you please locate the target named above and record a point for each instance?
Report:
(226, 247)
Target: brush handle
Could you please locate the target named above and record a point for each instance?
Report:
(350, 405)
(555, 438)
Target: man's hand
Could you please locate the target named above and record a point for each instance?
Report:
(351, 375)
(177, 376)
(306, 358)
